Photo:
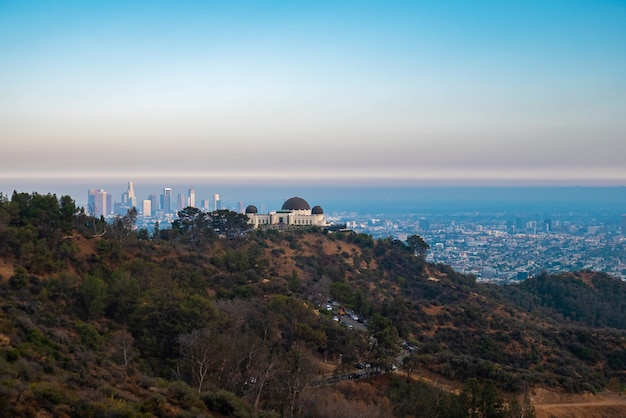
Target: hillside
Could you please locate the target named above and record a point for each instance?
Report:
(589, 298)
(209, 318)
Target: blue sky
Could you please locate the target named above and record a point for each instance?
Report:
(352, 91)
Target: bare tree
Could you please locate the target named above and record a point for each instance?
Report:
(267, 374)
(91, 211)
(297, 375)
(123, 227)
(199, 349)
(124, 341)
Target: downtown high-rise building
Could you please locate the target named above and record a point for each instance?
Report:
(624, 224)
(97, 203)
(547, 225)
(132, 199)
(147, 208)
(217, 203)
(154, 202)
(180, 203)
(108, 204)
(167, 200)
(191, 197)
(91, 202)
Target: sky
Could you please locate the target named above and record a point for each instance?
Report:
(386, 92)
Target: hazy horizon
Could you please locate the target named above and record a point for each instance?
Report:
(372, 199)
(355, 92)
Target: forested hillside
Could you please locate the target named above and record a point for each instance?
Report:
(593, 299)
(206, 317)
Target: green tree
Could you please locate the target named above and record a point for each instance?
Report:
(92, 295)
(68, 214)
(342, 292)
(63, 284)
(19, 279)
(123, 293)
(294, 284)
(483, 400)
(418, 246)
(193, 226)
(229, 224)
(289, 313)
(156, 232)
(385, 336)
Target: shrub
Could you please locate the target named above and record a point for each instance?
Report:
(227, 403)
(88, 335)
(49, 393)
(11, 355)
(183, 393)
(19, 280)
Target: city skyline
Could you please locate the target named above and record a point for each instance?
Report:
(371, 199)
(111, 202)
(416, 93)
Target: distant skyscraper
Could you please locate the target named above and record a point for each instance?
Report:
(91, 202)
(217, 204)
(167, 200)
(180, 204)
(132, 200)
(191, 199)
(117, 208)
(154, 202)
(97, 203)
(205, 205)
(147, 208)
(547, 225)
(109, 204)
(241, 207)
(624, 224)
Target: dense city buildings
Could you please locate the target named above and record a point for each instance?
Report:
(494, 245)
(151, 208)
(501, 247)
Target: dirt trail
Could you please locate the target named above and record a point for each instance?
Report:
(603, 405)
